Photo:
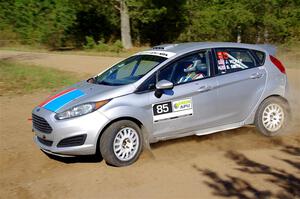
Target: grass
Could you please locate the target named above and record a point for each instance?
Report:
(16, 78)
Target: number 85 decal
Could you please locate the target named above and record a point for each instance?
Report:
(162, 108)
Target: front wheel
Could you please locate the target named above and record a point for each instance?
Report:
(121, 143)
(272, 116)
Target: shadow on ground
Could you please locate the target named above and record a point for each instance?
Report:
(288, 184)
(77, 159)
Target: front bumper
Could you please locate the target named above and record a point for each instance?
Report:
(89, 125)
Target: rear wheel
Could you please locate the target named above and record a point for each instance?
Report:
(272, 116)
(121, 143)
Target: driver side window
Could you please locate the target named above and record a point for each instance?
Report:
(187, 69)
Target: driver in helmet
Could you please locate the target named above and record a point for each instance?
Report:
(192, 72)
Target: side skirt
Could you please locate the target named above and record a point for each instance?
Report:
(200, 132)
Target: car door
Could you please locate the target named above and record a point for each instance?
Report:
(241, 81)
(191, 104)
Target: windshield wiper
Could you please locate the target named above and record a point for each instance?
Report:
(108, 83)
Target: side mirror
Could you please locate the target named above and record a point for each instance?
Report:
(162, 85)
(91, 80)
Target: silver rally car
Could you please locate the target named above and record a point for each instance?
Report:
(169, 91)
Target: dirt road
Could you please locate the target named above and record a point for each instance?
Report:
(232, 164)
(67, 62)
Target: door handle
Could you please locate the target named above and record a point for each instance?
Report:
(204, 88)
(256, 76)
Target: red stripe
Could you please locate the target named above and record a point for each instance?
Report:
(55, 96)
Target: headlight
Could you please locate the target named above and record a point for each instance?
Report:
(81, 109)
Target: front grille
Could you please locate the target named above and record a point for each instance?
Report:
(41, 124)
(72, 141)
(45, 142)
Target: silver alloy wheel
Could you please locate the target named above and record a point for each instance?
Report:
(273, 117)
(126, 144)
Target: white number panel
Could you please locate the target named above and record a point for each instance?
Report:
(172, 109)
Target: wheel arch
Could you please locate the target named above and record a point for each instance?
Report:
(275, 95)
(250, 119)
(285, 100)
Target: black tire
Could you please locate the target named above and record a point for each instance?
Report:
(107, 142)
(278, 101)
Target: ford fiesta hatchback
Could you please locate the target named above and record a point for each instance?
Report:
(166, 92)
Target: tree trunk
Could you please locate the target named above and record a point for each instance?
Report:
(258, 35)
(266, 36)
(125, 25)
(239, 34)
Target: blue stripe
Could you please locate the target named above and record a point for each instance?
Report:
(59, 102)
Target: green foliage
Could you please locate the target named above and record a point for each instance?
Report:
(145, 10)
(90, 43)
(259, 21)
(217, 20)
(57, 23)
(44, 22)
(19, 78)
(100, 46)
(156, 21)
(117, 47)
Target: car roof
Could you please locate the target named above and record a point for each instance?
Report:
(192, 46)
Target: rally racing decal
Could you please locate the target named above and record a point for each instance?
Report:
(165, 54)
(60, 99)
(172, 109)
(228, 62)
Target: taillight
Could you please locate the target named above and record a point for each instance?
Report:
(278, 64)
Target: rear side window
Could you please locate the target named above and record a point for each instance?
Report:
(231, 60)
(260, 57)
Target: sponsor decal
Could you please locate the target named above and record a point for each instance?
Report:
(227, 62)
(222, 55)
(158, 53)
(59, 100)
(172, 109)
(221, 64)
(182, 105)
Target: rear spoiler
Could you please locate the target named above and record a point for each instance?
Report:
(269, 48)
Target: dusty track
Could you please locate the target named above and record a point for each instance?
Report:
(74, 63)
(238, 163)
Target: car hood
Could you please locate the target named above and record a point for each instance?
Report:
(84, 92)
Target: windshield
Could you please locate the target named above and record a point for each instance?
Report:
(129, 70)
